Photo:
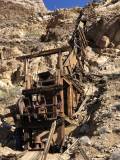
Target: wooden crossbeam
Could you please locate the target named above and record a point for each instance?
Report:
(43, 89)
(45, 53)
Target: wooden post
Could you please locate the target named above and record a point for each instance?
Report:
(28, 77)
(60, 81)
(70, 99)
(55, 106)
(60, 64)
(26, 71)
(1, 56)
(61, 129)
(1, 60)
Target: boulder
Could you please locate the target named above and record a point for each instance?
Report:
(104, 129)
(116, 107)
(117, 36)
(16, 51)
(3, 86)
(118, 46)
(84, 129)
(103, 42)
(12, 9)
(115, 155)
(85, 140)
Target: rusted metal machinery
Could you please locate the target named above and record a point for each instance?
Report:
(50, 98)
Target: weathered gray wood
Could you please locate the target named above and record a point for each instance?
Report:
(44, 53)
(82, 105)
(52, 130)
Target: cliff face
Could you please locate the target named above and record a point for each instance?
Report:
(107, 23)
(14, 9)
(40, 5)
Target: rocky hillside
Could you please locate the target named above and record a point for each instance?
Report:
(30, 30)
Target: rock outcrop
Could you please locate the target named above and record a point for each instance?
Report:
(17, 9)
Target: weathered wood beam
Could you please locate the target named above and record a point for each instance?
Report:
(70, 99)
(53, 89)
(81, 107)
(69, 81)
(44, 53)
(52, 130)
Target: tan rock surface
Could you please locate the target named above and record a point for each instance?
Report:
(14, 9)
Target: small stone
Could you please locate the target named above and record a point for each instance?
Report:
(118, 47)
(85, 140)
(116, 129)
(103, 42)
(99, 156)
(115, 155)
(116, 107)
(104, 130)
(117, 145)
(84, 129)
(117, 36)
(112, 45)
(98, 146)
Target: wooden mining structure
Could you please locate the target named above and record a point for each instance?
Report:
(51, 98)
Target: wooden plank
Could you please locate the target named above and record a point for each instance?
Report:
(43, 89)
(70, 99)
(69, 81)
(29, 155)
(45, 53)
(82, 105)
(52, 130)
(83, 38)
(71, 60)
(72, 122)
(79, 147)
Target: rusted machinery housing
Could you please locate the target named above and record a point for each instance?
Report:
(51, 98)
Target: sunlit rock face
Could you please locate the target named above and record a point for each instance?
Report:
(13, 9)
